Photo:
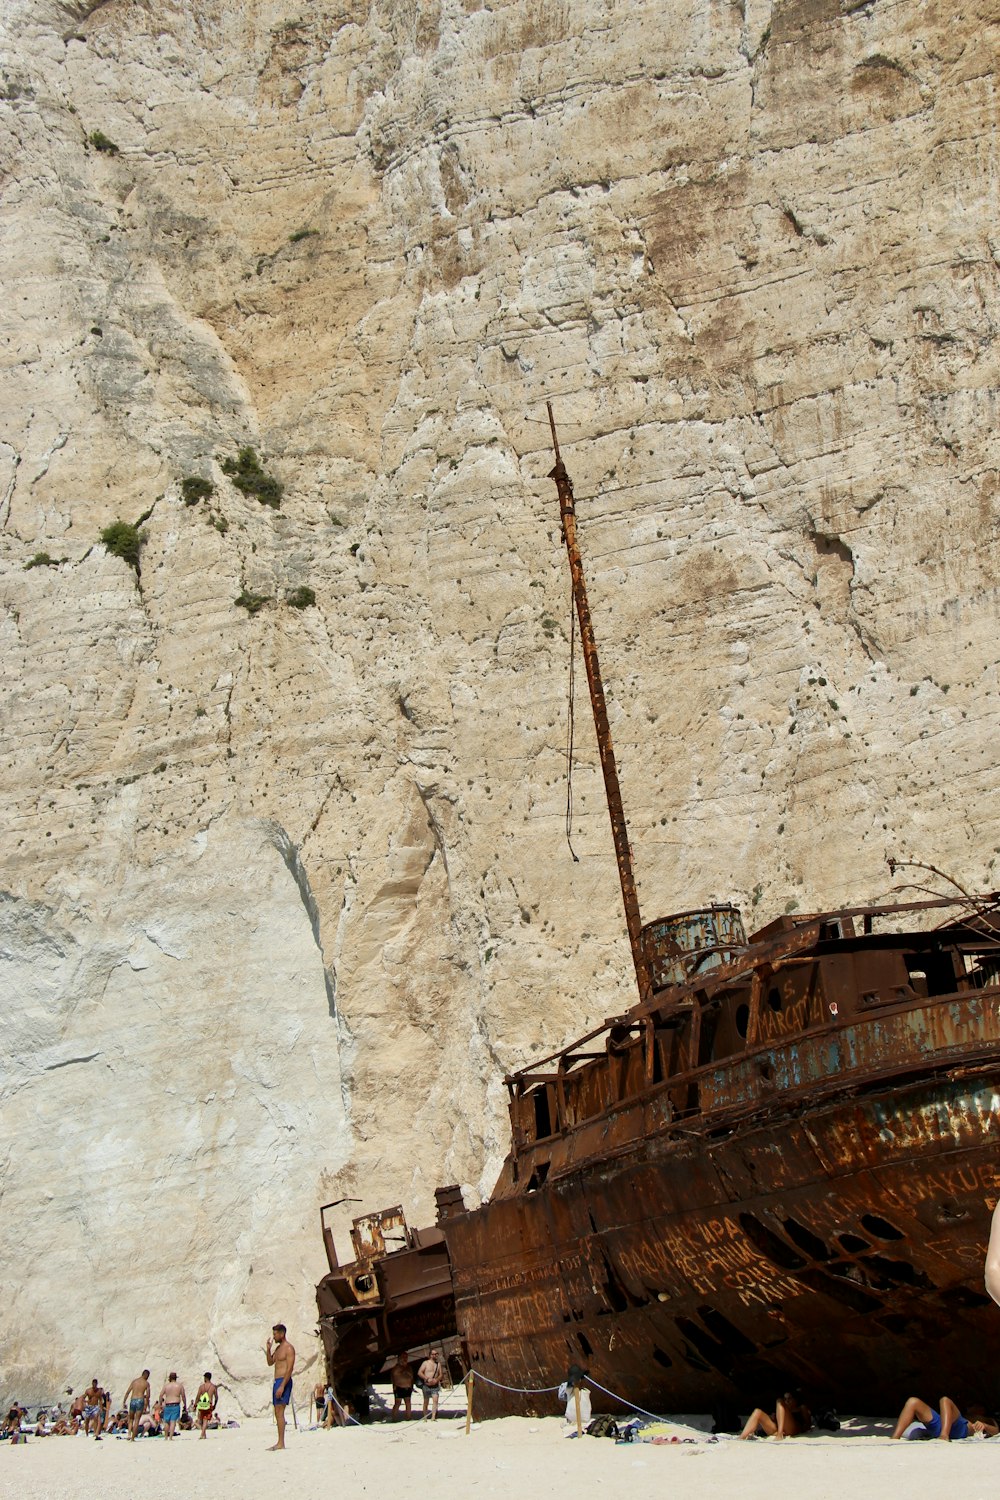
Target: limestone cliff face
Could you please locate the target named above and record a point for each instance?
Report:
(286, 891)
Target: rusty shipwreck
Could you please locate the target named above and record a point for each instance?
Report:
(777, 1166)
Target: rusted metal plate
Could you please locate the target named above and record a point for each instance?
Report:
(822, 1270)
(692, 941)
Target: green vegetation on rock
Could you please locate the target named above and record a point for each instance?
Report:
(123, 540)
(194, 488)
(247, 475)
(251, 602)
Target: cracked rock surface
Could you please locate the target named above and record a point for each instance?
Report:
(286, 890)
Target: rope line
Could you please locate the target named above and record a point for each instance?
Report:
(540, 1390)
(519, 1390)
(630, 1404)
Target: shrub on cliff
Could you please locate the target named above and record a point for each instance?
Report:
(100, 142)
(123, 540)
(302, 597)
(247, 475)
(194, 488)
(251, 602)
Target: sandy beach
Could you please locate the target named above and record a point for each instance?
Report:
(506, 1458)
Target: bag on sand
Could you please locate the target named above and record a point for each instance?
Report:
(603, 1426)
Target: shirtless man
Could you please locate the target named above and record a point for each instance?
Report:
(136, 1402)
(93, 1409)
(402, 1378)
(430, 1372)
(172, 1398)
(206, 1401)
(281, 1356)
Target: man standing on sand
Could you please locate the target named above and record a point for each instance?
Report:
(402, 1378)
(281, 1356)
(206, 1400)
(430, 1374)
(172, 1398)
(136, 1402)
(93, 1410)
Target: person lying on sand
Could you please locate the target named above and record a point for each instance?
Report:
(791, 1417)
(948, 1424)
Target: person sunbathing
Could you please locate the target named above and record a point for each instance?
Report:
(918, 1420)
(791, 1417)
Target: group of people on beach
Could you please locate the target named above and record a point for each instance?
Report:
(917, 1420)
(92, 1412)
(427, 1378)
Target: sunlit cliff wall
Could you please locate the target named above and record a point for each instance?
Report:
(285, 893)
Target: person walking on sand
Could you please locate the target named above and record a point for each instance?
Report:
(172, 1398)
(318, 1402)
(281, 1356)
(136, 1402)
(206, 1401)
(430, 1373)
(93, 1411)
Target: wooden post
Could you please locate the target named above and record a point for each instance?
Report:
(468, 1407)
(576, 1403)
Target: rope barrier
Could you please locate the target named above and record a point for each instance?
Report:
(544, 1390)
(630, 1404)
(518, 1390)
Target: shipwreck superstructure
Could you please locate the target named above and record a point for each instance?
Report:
(395, 1295)
(780, 1170)
(776, 1166)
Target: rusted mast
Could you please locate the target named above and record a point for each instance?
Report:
(616, 811)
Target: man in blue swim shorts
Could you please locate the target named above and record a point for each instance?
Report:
(918, 1420)
(137, 1402)
(172, 1398)
(281, 1356)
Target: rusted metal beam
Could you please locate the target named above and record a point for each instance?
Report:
(616, 811)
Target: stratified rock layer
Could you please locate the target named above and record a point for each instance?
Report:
(288, 890)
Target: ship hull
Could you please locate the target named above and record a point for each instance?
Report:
(837, 1247)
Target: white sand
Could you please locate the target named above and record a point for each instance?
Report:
(506, 1459)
